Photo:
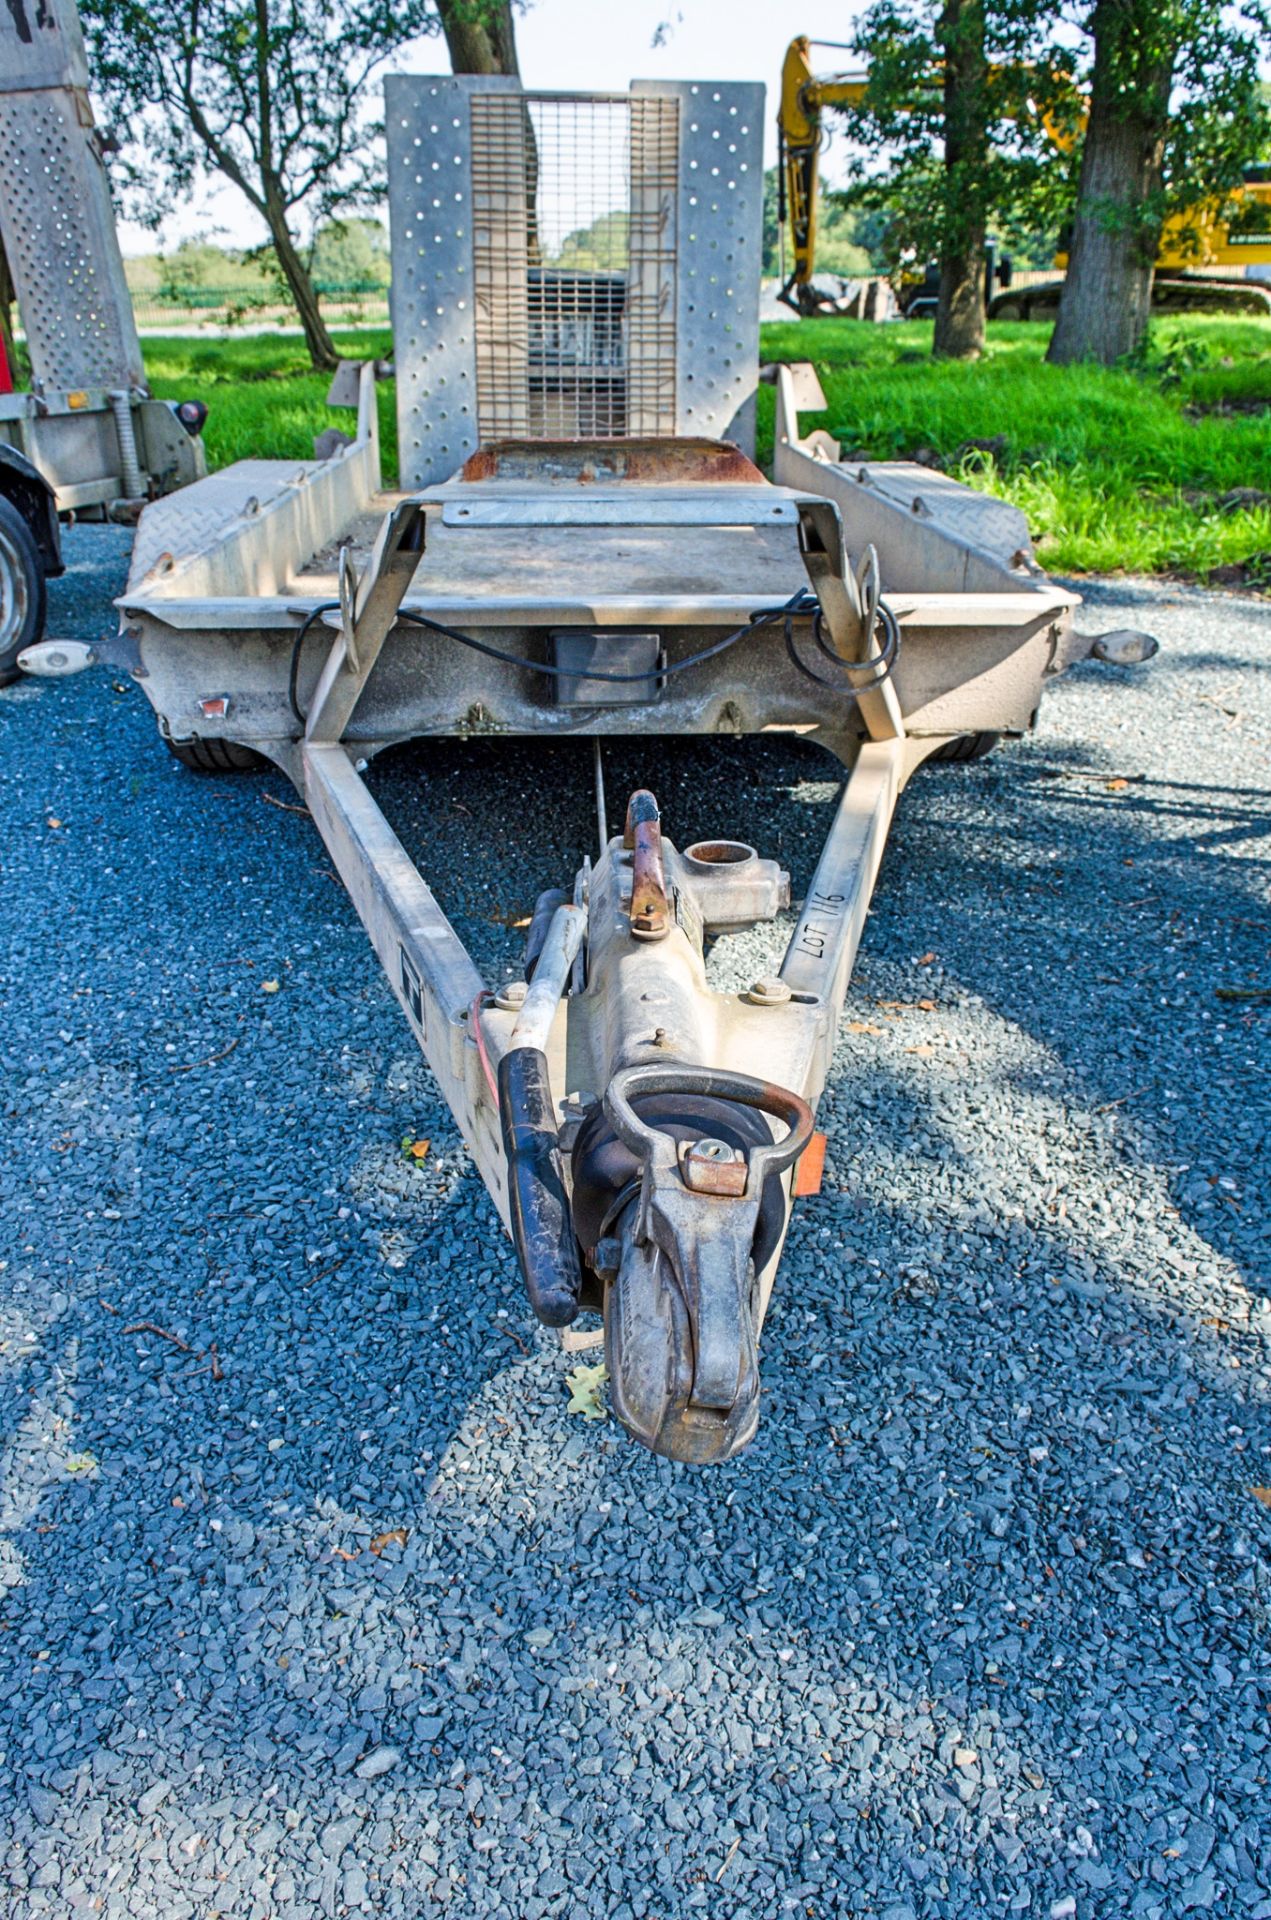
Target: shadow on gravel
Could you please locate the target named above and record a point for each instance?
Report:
(316, 1600)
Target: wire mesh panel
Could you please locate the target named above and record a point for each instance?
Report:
(651, 266)
(502, 146)
(573, 262)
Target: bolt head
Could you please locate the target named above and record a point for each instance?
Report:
(712, 1166)
(768, 992)
(511, 997)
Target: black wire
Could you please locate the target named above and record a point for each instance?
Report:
(756, 620)
(882, 661)
(621, 1200)
(800, 604)
(293, 677)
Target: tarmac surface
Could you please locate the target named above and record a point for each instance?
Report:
(314, 1597)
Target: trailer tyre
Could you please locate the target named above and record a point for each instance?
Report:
(215, 756)
(22, 590)
(966, 747)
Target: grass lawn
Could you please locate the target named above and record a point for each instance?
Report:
(264, 401)
(1115, 468)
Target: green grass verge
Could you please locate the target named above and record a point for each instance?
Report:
(1116, 469)
(263, 399)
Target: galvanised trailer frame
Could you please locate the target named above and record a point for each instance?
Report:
(640, 1134)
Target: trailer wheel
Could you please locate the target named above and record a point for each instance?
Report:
(215, 756)
(22, 594)
(966, 747)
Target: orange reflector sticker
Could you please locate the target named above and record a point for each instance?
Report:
(77, 399)
(807, 1175)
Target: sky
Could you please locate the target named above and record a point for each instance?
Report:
(596, 46)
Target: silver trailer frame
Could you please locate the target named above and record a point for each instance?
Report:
(89, 425)
(642, 1136)
(243, 577)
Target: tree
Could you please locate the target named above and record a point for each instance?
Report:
(953, 139)
(199, 273)
(480, 35)
(274, 95)
(270, 93)
(960, 313)
(350, 256)
(1176, 112)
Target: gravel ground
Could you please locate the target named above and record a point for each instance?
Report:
(319, 1602)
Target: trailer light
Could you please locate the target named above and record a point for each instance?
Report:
(192, 414)
(216, 708)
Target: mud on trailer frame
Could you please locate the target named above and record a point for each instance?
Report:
(639, 1133)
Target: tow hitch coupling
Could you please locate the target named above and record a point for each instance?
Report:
(681, 1310)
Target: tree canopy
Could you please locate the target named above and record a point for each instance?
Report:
(965, 129)
(1175, 114)
(1000, 117)
(278, 96)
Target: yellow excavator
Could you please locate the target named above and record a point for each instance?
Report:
(1233, 234)
(800, 137)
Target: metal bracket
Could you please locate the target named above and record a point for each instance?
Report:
(849, 606)
(367, 613)
(348, 610)
(682, 1313)
(659, 1152)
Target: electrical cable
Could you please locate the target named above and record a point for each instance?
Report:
(570, 673)
(801, 604)
(293, 675)
(621, 1200)
(882, 661)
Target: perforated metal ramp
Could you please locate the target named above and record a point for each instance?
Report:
(567, 265)
(55, 210)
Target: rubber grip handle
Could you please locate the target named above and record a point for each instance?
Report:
(538, 1205)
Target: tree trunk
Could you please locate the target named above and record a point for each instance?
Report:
(480, 35)
(481, 38)
(322, 354)
(1107, 295)
(959, 333)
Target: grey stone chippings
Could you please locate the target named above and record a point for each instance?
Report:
(979, 1623)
